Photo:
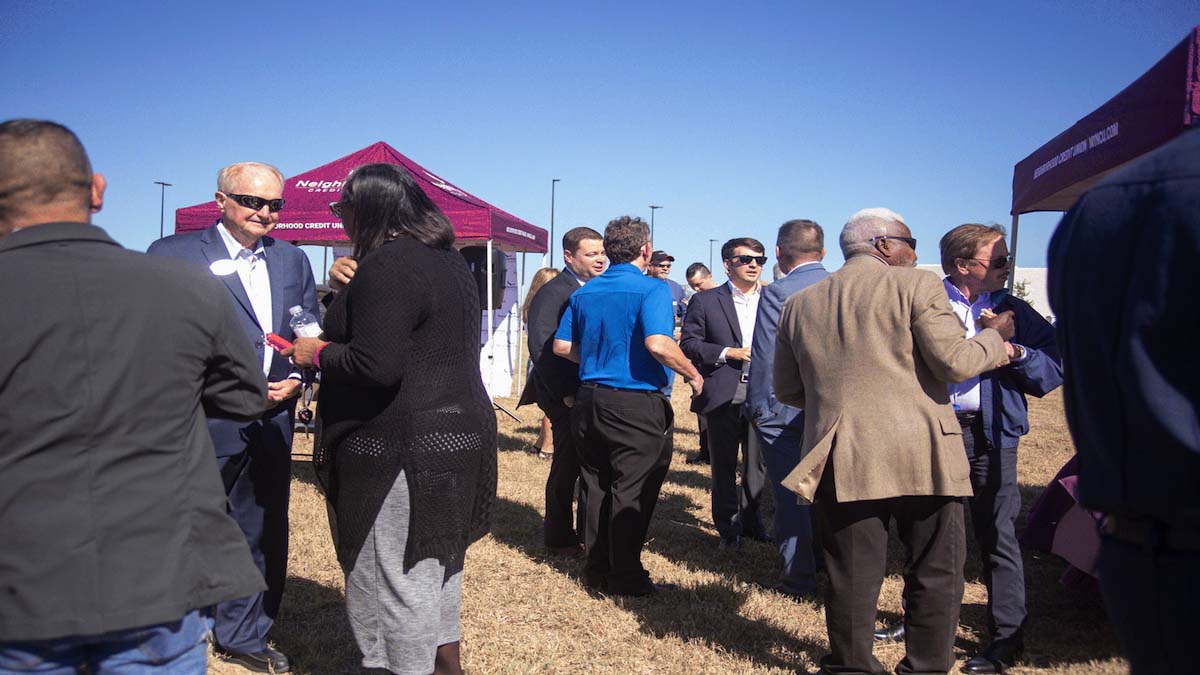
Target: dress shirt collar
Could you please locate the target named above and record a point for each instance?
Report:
(988, 298)
(567, 270)
(802, 266)
(737, 292)
(234, 247)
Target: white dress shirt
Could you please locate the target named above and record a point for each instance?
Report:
(964, 396)
(251, 267)
(745, 305)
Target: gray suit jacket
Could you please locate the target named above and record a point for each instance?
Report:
(768, 415)
(867, 353)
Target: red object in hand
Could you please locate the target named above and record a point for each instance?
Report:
(277, 343)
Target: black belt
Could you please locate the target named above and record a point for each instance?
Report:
(966, 418)
(1150, 533)
(595, 385)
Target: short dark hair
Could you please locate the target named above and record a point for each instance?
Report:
(41, 162)
(697, 268)
(624, 238)
(575, 236)
(389, 204)
(748, 242)
(964, 240)
(799, 238)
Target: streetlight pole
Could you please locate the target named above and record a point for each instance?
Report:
(162, 205)
(653, 208)
(553, 183)
(710, 243)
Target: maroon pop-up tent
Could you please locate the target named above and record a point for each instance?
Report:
(306, 219)
(1157, 107)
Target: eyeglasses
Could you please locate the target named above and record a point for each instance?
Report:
(255, 203)
(909, 240)
(747, 259)
(996, 263)
(337, 207)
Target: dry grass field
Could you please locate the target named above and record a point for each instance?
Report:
(526, 613)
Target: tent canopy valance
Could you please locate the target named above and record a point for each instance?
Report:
(306, 218)
(1157, 107)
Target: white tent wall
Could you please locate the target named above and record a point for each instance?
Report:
(501, 336)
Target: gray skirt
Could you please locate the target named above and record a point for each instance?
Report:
(400, 619)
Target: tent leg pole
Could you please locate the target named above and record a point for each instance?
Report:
(325, 264)
(1012, 250)
(520, 366)
(490, 326)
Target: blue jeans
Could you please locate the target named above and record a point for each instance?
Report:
(793, 521)
(177, 647)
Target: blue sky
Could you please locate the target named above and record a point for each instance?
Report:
(733, 116)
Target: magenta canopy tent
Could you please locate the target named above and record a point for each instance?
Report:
(306, 218)
(1157, 107)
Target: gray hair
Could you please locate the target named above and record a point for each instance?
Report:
(864, 225)
(228, 175)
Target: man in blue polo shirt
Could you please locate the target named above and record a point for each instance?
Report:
(619, 328)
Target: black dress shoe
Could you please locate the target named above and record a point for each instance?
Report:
(997, 658)
(731, 543)
(697, 459)
(641, 591)
(892, 633)
(267, 661)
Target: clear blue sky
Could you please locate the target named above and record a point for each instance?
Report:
(733, 116)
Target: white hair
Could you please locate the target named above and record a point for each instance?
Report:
(864, 225)
(228, 175)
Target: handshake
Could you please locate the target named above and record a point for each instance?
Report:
(1002, 323)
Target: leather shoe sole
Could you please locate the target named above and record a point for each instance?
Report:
(266, 661)
(893, 633)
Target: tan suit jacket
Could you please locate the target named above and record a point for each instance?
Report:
(867, 353)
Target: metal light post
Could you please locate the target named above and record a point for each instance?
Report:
(553, 183)
(710, 243)
(653, 208)
(162, 205)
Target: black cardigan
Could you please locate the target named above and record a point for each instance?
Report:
(401, 390)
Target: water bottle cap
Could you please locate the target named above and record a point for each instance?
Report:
(296, 309)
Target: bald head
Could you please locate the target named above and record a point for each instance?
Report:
(45, 175)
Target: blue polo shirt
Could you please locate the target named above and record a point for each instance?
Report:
(609, 319)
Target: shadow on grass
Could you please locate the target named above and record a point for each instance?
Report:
(707, 612)
(313, 629)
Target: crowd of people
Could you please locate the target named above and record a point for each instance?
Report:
(147, 406)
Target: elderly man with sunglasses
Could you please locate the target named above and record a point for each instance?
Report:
(993, 414)
(264, 279)
(716, 336)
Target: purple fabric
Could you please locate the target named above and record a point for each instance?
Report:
(306, 218)
(1057, 524)
(1158, 106)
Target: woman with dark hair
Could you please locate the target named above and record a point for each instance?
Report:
(406, 444)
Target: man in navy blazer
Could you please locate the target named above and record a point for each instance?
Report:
(265, 278)
(799, 247)
(1124, 285)
(716, 337)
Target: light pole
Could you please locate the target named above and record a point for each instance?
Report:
(553, 183)
(710, 243)
(653, 208)
(162, 204)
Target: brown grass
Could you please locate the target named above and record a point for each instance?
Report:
(526, 613)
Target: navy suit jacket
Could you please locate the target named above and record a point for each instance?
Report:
(764, 410)
(711, 324)
(292, 284)
(553, 377)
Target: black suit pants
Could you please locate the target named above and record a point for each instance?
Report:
(621, 436)
(735, 510)
(994, 510)
(564, 524)
(854, 537)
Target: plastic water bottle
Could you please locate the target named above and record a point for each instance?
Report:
(303, 323)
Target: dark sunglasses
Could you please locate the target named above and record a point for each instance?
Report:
(255, 203)
(747, 259)
(995, 263)
(909, 240)
(336, 208)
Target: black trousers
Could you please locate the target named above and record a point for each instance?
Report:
(1151, 594)
(994, 510)
(621, 438)
(854, 539)
(564, 523)
(702, 425)
(735, 510)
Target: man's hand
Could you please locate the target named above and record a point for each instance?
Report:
(738, 354)
(341, 272)
(302, 351)
(697, 384)
(569, 401)
(1002, 322)
(278, 392)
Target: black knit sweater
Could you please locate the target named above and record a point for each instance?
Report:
(401, 390)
